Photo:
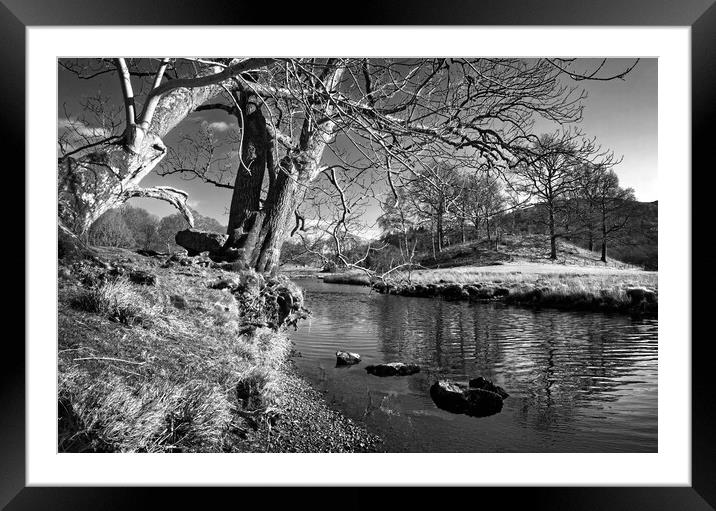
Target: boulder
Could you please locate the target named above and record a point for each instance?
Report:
(482, 403)
(485, 384)
(345, 358)
(196, 242)
(393, 369)
(456, 398)
(448, 396)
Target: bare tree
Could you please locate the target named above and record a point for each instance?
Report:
(608, 206)
(551, 172)
(293, 112)
(106, 171)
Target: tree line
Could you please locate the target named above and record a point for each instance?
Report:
(135, 228)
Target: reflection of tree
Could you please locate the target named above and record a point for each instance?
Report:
(554, 364)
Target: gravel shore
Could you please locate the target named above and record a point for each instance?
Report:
(307, 424)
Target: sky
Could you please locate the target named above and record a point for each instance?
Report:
(621, 114)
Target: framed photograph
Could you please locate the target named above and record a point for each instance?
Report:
(422, 246)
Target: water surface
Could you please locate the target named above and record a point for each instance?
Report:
(578, 382)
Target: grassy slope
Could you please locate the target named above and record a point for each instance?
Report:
(176, 373)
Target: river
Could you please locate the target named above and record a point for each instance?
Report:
(578, 382)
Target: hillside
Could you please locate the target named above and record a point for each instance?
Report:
(637, 243)
(525, 248)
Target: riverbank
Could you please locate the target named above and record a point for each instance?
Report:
(160, 354)
(535, 284)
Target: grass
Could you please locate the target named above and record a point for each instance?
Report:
(115, 299)
(604, 291)
(532, 274)
(577, 280)
(141, 371)
(525, 248)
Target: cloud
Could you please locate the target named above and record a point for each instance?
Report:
(75, 133)
(219, 126)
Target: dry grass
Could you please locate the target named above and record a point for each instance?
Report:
(182, 379)
(526, 273)
(114, 298)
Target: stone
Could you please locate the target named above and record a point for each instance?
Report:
(227, 283)
(346, 358)
(482, 403)
(485, 384)
(178, 301)
(456, 398)
(143, 278)
(501, 291)
(393, 369)
(448, 396)
(454, 292)
(196, 242)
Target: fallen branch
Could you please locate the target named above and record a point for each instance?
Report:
(110, 359)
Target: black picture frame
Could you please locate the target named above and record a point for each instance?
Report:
(700, 15)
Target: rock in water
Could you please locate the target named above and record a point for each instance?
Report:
(455, 398)
(485, 384)
(482, 403)
(196, 242)
(393, 369)
(448, 396)
(345, 358)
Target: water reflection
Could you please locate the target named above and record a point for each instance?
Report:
(577, 381)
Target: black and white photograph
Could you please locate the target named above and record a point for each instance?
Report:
(424, 246)
(357, 254)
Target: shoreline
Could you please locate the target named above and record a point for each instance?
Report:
(568, 288)
(309, 424)
(156, 355)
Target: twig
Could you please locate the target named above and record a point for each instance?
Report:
(110, 359)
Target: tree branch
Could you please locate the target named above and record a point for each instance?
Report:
(127, 92)
(175, 197)
(202, 81)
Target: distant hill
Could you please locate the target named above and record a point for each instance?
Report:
(533, 248)
(637, 243)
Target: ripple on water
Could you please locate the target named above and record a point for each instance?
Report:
(577, 381)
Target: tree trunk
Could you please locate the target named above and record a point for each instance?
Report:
(604, 238)
(552, 235)
(246, 197)
(604, 251)
(439, 222)
(279, 208)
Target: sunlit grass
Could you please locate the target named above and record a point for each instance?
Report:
(184, 380)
